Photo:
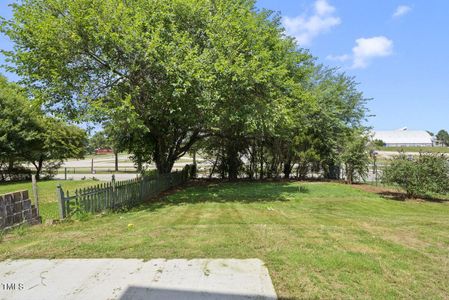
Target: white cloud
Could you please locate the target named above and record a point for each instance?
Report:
(368, 48)
(341, 58)
(365, 50)
(323, 8)
(305, 28)
(401, 10)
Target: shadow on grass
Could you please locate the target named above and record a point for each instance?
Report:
(400, 196)
(397, 196)
(225, 192)
(391, 193)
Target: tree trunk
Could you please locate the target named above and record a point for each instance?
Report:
(38, 165)
(349, 175)
(116, 160)
(287, 168)
(232, 161)
(214, 166)
(139, 163)
(11, 164)
(252, 164)
(168, 150)
(164, 164)
(162, 157)
(261, 162)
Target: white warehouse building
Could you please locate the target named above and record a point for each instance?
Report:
(404, 138)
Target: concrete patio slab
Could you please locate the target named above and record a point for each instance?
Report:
(135, 279)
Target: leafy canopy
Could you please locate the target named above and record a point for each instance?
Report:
(27, 135)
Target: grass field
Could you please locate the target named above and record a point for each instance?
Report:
(416, 149)
(322, 241)
(48, 207)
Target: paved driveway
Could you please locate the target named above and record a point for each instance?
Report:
(101, 177)
(196, 279)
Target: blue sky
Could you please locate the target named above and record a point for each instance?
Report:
(397, 50)
(404, 68)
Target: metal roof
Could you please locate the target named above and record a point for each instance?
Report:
(403, 136)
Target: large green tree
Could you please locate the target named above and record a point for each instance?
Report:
(187, 68)
(56, 141)
(96, 54)
(169, 73)
(19, 129)
(254, 77)
(27, 135)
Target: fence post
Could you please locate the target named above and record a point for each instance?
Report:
(92, 166)
(141, 181)
(114, 190)
(35, 193)
(65, 173)
(61, 201)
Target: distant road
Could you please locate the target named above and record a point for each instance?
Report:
(106, 163)
(102, 177)
(390, 154)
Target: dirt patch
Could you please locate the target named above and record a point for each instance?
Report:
(384, 192)
(395, 194)
(374, 189)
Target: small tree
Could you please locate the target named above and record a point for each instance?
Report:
(428, 173)
(19, 127)
(97, 141)
(355, 156)
(378, 143)
(443, 137)
(27, 135)
(56, 141)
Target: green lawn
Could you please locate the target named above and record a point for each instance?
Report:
(325, 241)
(48, 207)
(416, 149)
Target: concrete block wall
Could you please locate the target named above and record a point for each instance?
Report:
(16, 209)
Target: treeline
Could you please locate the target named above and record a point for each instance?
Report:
(218, 77)
(317, 133)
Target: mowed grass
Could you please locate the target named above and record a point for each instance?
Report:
(48, 206)
(323, 241)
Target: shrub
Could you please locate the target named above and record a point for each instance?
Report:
(14, 173)
(150, 173)
(419, 176)
(50, 169)
(192, 171)
(355, 156)
(378, 143)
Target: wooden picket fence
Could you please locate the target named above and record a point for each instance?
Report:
(117, 194)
